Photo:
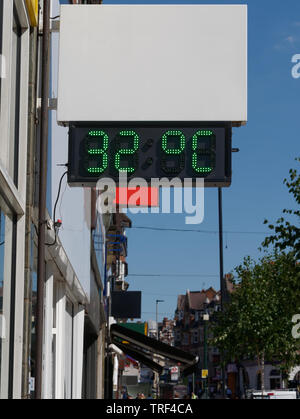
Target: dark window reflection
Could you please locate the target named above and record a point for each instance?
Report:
(2, 242)
(33, 271)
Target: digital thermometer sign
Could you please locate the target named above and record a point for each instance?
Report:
(150, 151)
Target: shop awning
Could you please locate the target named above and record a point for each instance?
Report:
(143, 348)
(138, 356)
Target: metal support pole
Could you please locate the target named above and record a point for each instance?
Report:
(205, 358)
(156, 318)
(157, 337)
(42, 198)
(108, 296)
(157, 301)
(221, 273)
(156, 375)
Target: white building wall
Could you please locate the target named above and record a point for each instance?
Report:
(253, 372)
(15, 49)
(74, 204)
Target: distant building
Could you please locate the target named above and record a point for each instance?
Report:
(166, 331)
(152, 329)
(189, 330)
(189, 336)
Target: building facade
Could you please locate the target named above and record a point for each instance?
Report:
(189, 334)
(166, 331)
(14, 52)
(74, 318)
(240, 376)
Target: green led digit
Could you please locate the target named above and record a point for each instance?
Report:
(96, 146)
(129, 151)
(204, 151)
(172, 149)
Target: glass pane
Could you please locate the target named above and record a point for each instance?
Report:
(1, 57)
(6, 299)
(2, 319)
(15, 98)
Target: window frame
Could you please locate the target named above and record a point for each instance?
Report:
(8, 306)
(12, 196)
(196, 336)
(15, 102)
(55, 371)
(2, 59)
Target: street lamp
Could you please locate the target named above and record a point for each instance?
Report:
(157, 301)
(205, 320)
(157, 374)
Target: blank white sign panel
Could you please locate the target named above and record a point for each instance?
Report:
(153, 63)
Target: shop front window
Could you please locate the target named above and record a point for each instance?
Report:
(275, 380)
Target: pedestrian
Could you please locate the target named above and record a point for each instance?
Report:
(228, 393)
(194, 396)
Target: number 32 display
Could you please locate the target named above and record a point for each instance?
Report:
(186, 151)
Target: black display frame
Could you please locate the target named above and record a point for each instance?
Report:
(220, 177)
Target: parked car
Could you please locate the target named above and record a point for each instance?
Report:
(290, 394)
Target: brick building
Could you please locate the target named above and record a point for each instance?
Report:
(166, 331)
(189, 330)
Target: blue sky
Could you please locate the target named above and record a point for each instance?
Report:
(268, 146)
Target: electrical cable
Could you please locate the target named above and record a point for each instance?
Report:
(61, 201)
(160, 295)
(54, 210)
(197, 231)
(179, 275)
(154, 312)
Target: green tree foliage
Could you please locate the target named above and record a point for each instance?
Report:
(286, 234)
(257, 322)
